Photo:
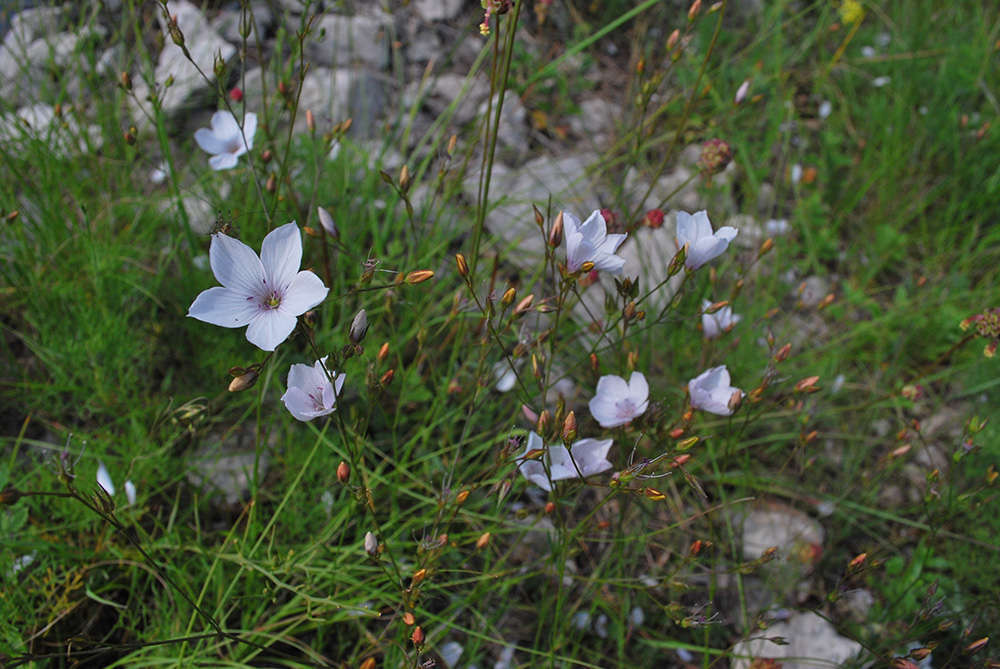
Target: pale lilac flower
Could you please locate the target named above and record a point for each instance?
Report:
(777, 226)
(695, 230)
(159, 173)
(723, 320)
(868, 51)
(450, 652)
(266, 293)
(310, 393)
(589, 456)
(879, 82)
(617, 402)
(104, 479)
(130, 492)
(741, 92)
(710, 391)
(825, 108)
(590, 242)
(226, 141)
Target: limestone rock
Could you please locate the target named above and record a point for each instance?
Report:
(438, 10)
(811, 641)
(338, 41)
(64, 135)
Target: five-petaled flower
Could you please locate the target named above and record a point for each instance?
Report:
(695, 230)
(226, 141)
(618, 402)
(266, 293)
(310, 393)
(590, 242)
(714, 324)
(585, 457)
(710, 391)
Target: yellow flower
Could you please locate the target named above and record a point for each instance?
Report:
(851, 11)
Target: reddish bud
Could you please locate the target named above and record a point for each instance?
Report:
(550, 507)
(235, 94)
(408, 619)
(418, 635)
(387, 377)
(343, 472)
(483, 540)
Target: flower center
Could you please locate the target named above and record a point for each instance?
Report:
(624, 408)
(272, 301)
(317, 399)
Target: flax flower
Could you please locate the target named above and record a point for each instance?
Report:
(711, 391)
(226, 141)
(310, 393)
(589, 456)
(618, 402)
(695, 230)
(267, 294)
(714, 324)
(590, 242)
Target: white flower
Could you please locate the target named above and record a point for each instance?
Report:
(226, 141)
(589, 456)
(723, 320)
(104, 479)
(590, 242)
(879, 82)
(617, 402)
(310, 393)
(777, 226)
(825, 108)
(130, 492)
(868, 51)
(267, 293)
(450, 652)
(159, 173)
(710, 391)
(695, 230)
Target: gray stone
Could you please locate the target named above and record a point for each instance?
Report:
(512, 133)
(812, 291)
(334, 95)
(448, 89)
(227, 23)
(674, 188)
(438, 10)
(812, 643)
(796, 537)
(514, 191)
(204, 45)
(596, 120)
(64, 135)
(226, 474)
(338, 41)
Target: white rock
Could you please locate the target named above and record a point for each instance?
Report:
(513, 130)
(228, 475)
(438, 10)
(446, 90)
(63, 135)
(795, 534)
(812, 291)
(686, 199)
(202, 42)
(812, 642)
(338, 41)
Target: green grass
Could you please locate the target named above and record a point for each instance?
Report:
(98, 357)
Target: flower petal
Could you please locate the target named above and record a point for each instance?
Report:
(104, 479)
(236, 266)
(224, 307)
(304, 293)
(613, 387)
(302, 376)
(595, 228)
(561, 466)
(703, 227)
(686, 229)
(281, 255)
(590, 455)
(249, 129)
(727, 232)
(208, 142)
(604, 411)
(224, 125)
(299, 404)
(269, 328)
(638, 391)
(223, 161)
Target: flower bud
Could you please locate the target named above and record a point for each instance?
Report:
(807, 385)
(483, 540)
(524, 304)
(587, 267)
(544, 419)
(265, 156)
(12, 216)
(219, 65)
(283, 90)
(175, 31)
(326, 220)
(783, 353)
(765, 247)
(452, 143)
(977, 645)
(694, 10)
(463, 267)
(675, 36)
(359, 327)
(271, 184)
(9, 495)
(461, 497)
(508, 297)
(404, 178)
(409, 619)
(716, 154)
(387, 377)
(418, 577)
(419, 276)
(418, 635)
(677, 264)
(343, 472)
(371, 544)
(653, 218)
(383, 352)
(569, 428)
(243, 381)
(129, 137)
(556, 233)
(310, 121)
(126, 80)
(369, 663)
